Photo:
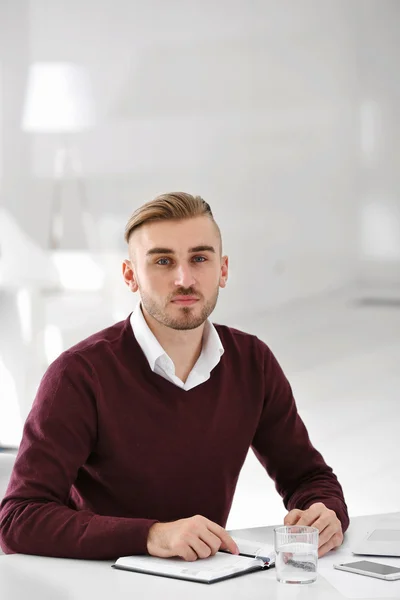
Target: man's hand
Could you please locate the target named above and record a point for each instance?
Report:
(324, 519)
(193, 538)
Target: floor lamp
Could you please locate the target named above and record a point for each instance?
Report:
(59, 100)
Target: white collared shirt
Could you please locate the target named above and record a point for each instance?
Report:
(162, 364)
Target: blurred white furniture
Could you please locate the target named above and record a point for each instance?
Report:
(6, 464)
(22, 262)
(25, 271)
(42, 292)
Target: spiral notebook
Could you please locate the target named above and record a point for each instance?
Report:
(253, 556)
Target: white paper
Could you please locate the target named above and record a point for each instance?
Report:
(258, 549)
(203, 569)
(248, 546)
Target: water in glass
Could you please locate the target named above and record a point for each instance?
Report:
(296, 562)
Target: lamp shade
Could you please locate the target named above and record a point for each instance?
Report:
(58, 98)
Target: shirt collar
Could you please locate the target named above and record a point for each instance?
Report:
(145, 337)
(211, 352)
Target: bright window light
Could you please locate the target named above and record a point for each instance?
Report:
(53, 343)
(380, 231)
(78, 271)
(24, 305)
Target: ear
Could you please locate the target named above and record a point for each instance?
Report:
(129, 275)
(223, 278)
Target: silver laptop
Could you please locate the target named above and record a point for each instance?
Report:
(381, 540)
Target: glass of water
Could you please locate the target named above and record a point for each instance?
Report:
(296, 548)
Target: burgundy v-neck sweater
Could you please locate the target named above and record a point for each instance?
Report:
(109, 447)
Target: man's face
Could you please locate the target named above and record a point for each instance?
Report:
(178, 268)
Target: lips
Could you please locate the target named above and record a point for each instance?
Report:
(184, 299)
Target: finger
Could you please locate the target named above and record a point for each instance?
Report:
(306, 520)
(227, 543)
(327, 524)
(334, 542)
(312, 513)
(202, 550)
(326, 535)
(187, 553)
(293, 517)
(212, 541)
(325, 548)
(326, 520)
(333, 527)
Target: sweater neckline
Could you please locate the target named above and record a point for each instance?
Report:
(158, 380)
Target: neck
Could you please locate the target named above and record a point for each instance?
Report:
(182, 346)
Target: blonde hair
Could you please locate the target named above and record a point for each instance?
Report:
(174, 206)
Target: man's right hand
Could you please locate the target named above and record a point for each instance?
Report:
(193, 538)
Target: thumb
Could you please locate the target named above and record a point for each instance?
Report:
(293, 516)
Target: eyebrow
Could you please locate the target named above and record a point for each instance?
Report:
(160, 250)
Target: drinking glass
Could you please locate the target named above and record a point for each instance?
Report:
(296, 548)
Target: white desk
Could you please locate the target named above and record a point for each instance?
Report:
(30, 577)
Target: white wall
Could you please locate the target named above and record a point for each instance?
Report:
(378, 43)
(254, 105)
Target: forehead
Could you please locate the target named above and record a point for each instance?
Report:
(179, 236)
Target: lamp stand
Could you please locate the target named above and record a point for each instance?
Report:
(67, 165)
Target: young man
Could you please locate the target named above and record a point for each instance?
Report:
(137, 435)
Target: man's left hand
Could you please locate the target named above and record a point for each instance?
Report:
(324, 519)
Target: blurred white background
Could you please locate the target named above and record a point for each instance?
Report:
(284, 116)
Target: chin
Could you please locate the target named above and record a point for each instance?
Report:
(188, 317)
(184, 312)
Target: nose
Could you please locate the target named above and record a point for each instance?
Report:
(184, 276)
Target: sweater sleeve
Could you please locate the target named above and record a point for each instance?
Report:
(59, 435)
(283, 447)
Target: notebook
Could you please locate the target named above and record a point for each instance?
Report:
(223, 565)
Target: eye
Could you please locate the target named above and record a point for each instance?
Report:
(199, 259)
(163, 261)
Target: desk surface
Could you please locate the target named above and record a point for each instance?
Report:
(23, 576)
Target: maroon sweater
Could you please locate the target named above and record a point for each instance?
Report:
(109, 447)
